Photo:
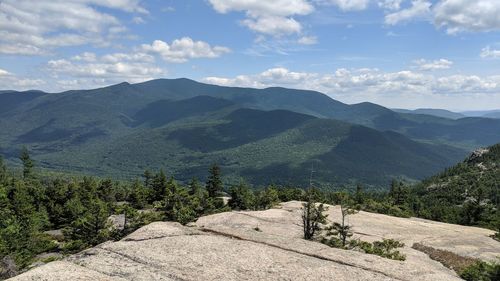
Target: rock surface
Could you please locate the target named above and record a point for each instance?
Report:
(267, 245)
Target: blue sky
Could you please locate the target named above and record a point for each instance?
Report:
(397, 53)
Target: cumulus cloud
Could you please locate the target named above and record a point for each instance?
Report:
(267, 17)
(390, 5)
(490, 53)
(366, 84)
(454, 16)
(273, 25)
(10, 81)
(418, 9)
(36, 27)
(349, 5)
(465, 15)
(271, 77)
(308, 40)
(138, 20)
(184, 49)
(4, 72)
(426, 65)
(87, 69)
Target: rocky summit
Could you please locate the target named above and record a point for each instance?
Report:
(268, 245)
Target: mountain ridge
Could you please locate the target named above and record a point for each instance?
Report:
(147, 124)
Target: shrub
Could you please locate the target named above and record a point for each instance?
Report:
(481, 271)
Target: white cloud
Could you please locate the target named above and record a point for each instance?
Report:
(12, 82)
(124, 5)
(490, 53)
(267, 17)
(401, 88)
(4, 72)
(272, 25)
(138, 20)
(36, 27)
(419, 9)
(348, 5)
(426, 65)
(390, 5)
(271, 77)
(184, 49)
(256, 8)
(308, 40)
(88, 70)
(467, 15)
(454, 16)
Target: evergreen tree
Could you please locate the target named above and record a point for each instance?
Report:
(92, 226)
(27, 163)
(194, 187)
(105, 191)
(214, 183)
(267, 199)
(147, 178)
(359, 196)
(159, 187)
(342, 230)
(138, 195)
(242, 198)
(3, 170)
(312, 217)
(398, 192)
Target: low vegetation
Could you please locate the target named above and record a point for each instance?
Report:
(469, 269)
(481, 271)
(338, 234)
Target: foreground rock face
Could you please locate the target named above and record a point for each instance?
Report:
(267, 245)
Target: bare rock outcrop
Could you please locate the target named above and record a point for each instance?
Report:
(267, 245)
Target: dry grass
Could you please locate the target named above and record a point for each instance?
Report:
(450, 260)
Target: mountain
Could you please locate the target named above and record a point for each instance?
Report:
(261, 146)
(126, 100)
(10, 100)
(495, 115)
(434, 112)
(263, 135)
(471, 133)
(467, 193)
(484, 113)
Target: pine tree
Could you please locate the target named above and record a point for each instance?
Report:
(342, 230)
(242, 198)
(92, 226)
(159, 186)
(194, 187)
(359, 196)
(105, 191)
(27, 163)
(214, 183)
(312, 217)
(138, 195)
(3, 170)
(268, 198)
(147, 178)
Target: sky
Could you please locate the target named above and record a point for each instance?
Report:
(397, 53)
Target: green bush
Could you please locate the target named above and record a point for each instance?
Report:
(481, 271)
(385, 248)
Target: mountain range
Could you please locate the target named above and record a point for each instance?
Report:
(261, 135)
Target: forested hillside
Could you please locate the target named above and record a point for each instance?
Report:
(269, 135)
(186, 136)
(468, 193)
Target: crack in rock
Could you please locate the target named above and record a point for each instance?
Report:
(232, 236)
